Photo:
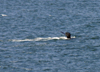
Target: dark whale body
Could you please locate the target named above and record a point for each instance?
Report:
(67, 34)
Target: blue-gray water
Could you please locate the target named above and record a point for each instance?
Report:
(30, 38)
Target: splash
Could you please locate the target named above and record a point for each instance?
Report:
(41, 39)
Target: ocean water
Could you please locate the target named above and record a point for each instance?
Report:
(31, 38)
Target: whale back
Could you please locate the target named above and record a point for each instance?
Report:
(68, 35)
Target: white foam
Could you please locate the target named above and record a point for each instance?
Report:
(3, 15)
(40, 39)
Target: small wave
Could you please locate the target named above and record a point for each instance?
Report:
(41, 39)
(3, 15)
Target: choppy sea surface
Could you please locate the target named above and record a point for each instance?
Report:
(31, 38)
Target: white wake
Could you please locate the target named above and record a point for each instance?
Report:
(40, 39)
